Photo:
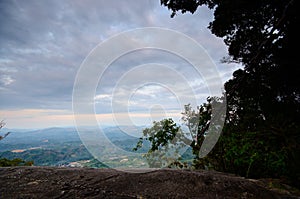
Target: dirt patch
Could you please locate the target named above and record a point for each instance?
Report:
(54, 182)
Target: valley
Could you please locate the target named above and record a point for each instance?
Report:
(63, 147)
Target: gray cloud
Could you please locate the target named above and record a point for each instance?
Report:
(43, 44)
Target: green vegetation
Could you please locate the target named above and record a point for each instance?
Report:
(261, 134)
(63, 147)
(165, 138)
(55, 156)
(14, 162)
(4, 162)
(168, 140)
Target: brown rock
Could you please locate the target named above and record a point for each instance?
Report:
(55, 182)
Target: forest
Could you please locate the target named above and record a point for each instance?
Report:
(260, 137)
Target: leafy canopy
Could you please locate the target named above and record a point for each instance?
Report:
(261, 133)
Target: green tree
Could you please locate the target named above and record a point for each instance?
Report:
(203, 125)
(166, 139)
(169, 141)
(261, 135)
(14, 162)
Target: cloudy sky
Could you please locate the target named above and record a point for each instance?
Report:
(43, 45)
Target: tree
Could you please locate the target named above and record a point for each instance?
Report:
(15, 162)
(263, 98)
(166, 139)
(260, 34)
(2, 124)
(169, 141)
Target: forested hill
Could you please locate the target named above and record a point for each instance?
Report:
(58, 146)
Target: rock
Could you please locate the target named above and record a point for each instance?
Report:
(34, 182)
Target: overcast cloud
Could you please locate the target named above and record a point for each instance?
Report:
(43, 43)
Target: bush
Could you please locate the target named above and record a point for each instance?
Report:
(14, 162)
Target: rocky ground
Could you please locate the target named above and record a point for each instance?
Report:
(54, 182)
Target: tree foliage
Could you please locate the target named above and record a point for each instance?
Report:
(169, 141)
(14, 162)
(261, 133)
(166, 139)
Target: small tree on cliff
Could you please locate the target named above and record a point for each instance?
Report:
(14, 162)
(2, 124)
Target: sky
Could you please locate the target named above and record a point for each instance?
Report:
(44, 46)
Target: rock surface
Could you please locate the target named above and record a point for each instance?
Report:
(55, 182)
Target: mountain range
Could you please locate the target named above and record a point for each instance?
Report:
(61, 146)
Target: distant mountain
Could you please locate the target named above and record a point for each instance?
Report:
(61, 146)
(69, 134)
(123, 132)
(36, 138)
